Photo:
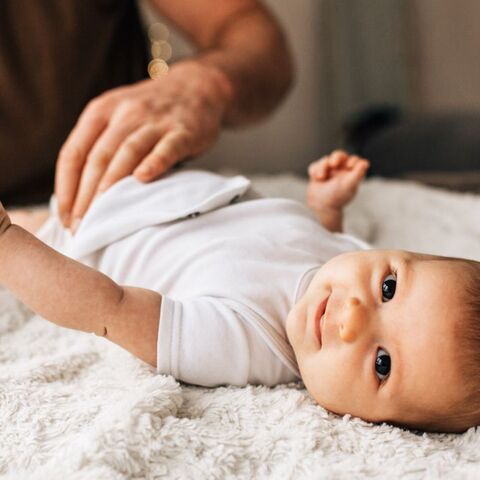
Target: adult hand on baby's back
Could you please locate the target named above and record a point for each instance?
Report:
(142, 129)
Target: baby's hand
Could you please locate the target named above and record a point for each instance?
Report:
(334, 180)
(4, 219)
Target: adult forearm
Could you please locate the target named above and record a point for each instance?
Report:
(252, 52)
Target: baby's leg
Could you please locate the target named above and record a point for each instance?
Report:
(31, 219)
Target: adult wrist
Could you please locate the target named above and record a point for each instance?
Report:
(216, 86)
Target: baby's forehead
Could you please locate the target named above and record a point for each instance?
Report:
(432, 288)
(431, 313)
(436, 269)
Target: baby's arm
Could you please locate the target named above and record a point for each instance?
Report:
(334, 180)
(31, 219)
(75, 296)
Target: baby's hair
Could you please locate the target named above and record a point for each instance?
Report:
(468, 335)
(465, 413)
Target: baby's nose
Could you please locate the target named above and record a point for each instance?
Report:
(352, 319)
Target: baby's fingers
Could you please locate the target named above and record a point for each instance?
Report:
(328, 165)
(353, 160)
(338, 158)
(356, 174)
(318, 170)
(361, 167)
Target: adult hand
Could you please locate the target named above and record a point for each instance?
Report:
(142, 129)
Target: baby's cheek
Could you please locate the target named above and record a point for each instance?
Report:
(293, 326)
(326, 384)
(313, 375)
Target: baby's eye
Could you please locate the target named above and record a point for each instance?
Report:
(388, 287)
(382, 364)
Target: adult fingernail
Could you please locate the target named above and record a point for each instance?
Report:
(66, 219)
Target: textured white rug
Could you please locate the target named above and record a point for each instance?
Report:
(74, 406)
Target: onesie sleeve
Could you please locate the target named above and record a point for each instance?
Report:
(204, 342)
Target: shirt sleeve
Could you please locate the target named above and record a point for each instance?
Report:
(204, 342)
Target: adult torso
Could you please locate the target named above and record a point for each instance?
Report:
(54, 57)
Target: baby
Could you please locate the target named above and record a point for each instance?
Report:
(225, 287)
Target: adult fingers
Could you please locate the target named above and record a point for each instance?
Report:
(97, 163)
(72, 158)
(174, 146)
(131, 152)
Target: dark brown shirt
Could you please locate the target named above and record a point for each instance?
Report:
(56, 55)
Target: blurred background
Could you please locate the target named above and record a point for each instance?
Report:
(395, 80)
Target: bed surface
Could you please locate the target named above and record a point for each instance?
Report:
(74, 406)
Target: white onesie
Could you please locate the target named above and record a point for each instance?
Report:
(229, 269)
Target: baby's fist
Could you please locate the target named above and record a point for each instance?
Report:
(334, 180)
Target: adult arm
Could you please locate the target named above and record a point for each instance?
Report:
(241, 71)
(75, 296)
(242, 40)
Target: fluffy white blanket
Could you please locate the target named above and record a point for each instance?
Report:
(74, 406)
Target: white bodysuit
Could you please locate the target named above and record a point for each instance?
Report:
(229, 269)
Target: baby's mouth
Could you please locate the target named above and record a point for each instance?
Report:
(320, 319)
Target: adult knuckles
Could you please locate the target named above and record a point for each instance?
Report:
(185, 144)
(70, 157)
(187, 135)
(160, 161)
(132, 148)
(92, 117)
(96, 121)
(181, 128)
(131, 109)
(99, 159)
(95, 108)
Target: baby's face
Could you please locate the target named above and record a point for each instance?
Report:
(373, 335)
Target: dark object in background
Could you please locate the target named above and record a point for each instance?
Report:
(438, 149)
(54, 57)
